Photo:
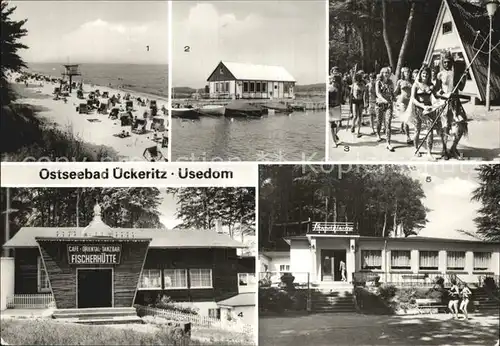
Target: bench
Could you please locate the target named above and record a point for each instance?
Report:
(429, 305)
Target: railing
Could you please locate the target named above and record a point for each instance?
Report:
(398, 279)
(31, 301)
(198, 320)
(332, 228)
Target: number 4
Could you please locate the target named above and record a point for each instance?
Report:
(240, 314)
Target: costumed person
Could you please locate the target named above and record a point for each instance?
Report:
(449, 82)
(357, 93)
(384, 88)
(421, 112)
(402, 93)
(414, 75)
(370, 99)
(454, 294)
(335, 99)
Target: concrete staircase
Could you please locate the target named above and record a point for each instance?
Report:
(97, 315)
(483, 302)
(332, 297)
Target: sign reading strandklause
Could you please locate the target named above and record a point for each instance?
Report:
(94, 254)
(331, 227)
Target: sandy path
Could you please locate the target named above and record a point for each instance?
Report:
(102, 131)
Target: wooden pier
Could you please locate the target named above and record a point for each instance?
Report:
(304, 105)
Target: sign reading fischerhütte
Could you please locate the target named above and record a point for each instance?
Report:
(94, 254)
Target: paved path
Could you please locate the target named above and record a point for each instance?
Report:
(357, 329)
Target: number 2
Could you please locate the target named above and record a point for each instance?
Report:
(187, 49)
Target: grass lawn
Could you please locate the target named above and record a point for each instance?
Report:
(48, 332)
(357, 329)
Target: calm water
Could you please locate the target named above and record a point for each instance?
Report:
(298, 137)
(150, 79)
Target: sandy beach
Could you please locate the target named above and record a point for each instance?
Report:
(97, 128)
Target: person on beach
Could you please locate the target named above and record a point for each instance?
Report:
(402, 93)
(465, 294)
(370, 99)
(414, 75)
(454, 294)
(421, 111)
(357, 93)
(385, 96)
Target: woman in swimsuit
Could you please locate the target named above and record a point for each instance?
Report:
(465, 294)
(357, 93)
(454, 295)
(402, 92)
(422, 93)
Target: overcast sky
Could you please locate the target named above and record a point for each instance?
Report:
(448, 195)
(287, 33)
(95, 31)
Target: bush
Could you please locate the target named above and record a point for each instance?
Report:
(387, 292)
(490, 283)
(287, 282)
(278, 301)
(166, 303)
(47, 332)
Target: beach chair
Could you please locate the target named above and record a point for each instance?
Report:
(126, 119)
(152, 154)
(57, 91)
(105, 94)
(79, 94)
(103, 108)
(158, 124)
(114, 113)
(139, 126)
(164, 142)
(129, 105)
(83, 108)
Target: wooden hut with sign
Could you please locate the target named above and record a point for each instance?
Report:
(462, 28)
(231, 80)
(105, 271)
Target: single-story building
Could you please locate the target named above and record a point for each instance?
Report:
(316, 257)
(462, 27)
(126, 266)
(231, 80)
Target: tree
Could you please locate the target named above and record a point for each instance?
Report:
(406, 39)
(202, 207)
(387, 40)
(12, 31)
(488, 194)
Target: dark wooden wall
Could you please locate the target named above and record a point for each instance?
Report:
(63, 275)
(216, 76)
(26, 280)
(223, 262)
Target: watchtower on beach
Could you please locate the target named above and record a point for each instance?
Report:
(70, 71)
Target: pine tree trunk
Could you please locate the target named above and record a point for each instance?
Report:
(386, 34)
(406, 40)
(385, 223)
(395, 220)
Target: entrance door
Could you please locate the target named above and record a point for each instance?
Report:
(331, 263)
(95, 288)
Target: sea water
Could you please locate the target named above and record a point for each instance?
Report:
(296, 137)
(148, 79)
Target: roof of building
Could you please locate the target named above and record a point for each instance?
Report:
(188, 238)
(408, 239)
(242, 299)
(472, 24)
(243, 71)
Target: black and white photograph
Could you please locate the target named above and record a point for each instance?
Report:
(414, 80)
(249, 80)
(128, 266)
(84, 81)
(379, 254)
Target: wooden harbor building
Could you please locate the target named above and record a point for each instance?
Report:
(103, 267)
(231, 80)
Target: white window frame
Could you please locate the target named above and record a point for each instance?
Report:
(448, 267)
(379, 256)
(248, 279)
(41, 267)
(185, 287)
(409, 259)
(149, 288)
(191, 278)
(284, 268)
(420, 258)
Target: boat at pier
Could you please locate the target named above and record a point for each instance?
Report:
(277, 107)
(241, 109)
(185, 113)
(212, 110)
